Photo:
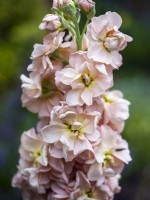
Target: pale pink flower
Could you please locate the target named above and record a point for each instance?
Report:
(106, 40)
(50, 22)
(28, 193)
(37, 178)
(55, 47)
(41, 64)
(108, 188)
(33, 149)
(36, 167)
(115, 109)
(40, 93)
(86, 78)
(33, 166)
(113, 183)
(32, 179)
(86, 190)
(67, 45)
(18, 181)
(42, 52)
(82, 188)
(61, 45)
(73, 129)
(110, 156)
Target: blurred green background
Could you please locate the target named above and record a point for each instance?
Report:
(19, 20)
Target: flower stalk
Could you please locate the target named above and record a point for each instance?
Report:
(76, 150)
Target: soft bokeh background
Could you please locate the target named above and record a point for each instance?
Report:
(19, 20)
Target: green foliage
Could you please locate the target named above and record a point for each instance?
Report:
(19, 22)
(137, 131)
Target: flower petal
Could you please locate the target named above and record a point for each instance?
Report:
(52, 134)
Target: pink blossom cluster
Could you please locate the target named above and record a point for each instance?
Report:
(76, 151)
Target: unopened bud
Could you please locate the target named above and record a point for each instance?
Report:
(86, 5)
(60, 3)
(50, 22)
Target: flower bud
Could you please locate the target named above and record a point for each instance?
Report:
(86, 5)
(50, 22)
(60, 3)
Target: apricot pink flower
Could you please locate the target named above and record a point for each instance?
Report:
(115, 109)
(86, 190)
(33, 149)
(33, 162)
(86, 78)
(50, 22)
(73, 129)
(44, 51)
(110, 156)
(37, 178)
(106, 40)
(45, 56)
(40, 93)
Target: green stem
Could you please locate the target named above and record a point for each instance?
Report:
(78, 39)
(84, 29)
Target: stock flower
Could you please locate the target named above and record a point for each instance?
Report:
(33, 164)
(56, 47)
(110, 156)
(42, 52)
(67, 47)
(37, 178)
(76, 151)
(36, 166)
(86, 190)
(33, 149)
(50, 22)
(83, 188)
(65, 43)
(115, 109)
(86, 78)
(106, 40)
(74, 129)
(40, 93)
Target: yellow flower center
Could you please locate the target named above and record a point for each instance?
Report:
(89, 194)
(108, 157)
(107, 100)
(36, 155)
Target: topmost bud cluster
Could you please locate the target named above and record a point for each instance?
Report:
(62, 3)
(84, 5)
